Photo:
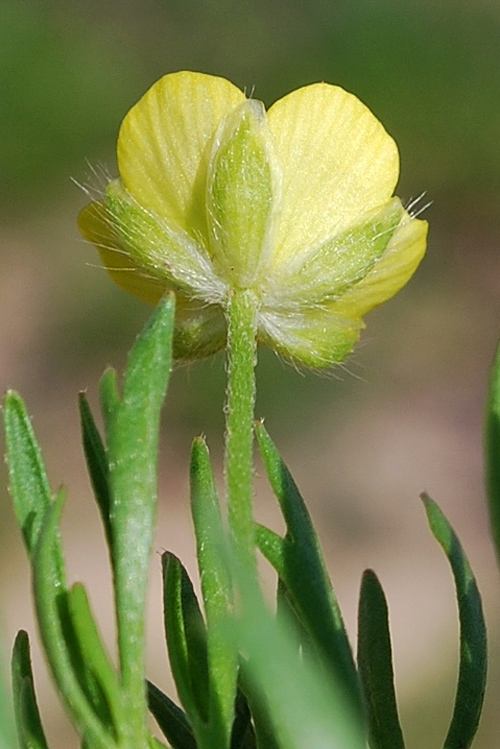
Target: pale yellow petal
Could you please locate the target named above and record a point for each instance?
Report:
(394, 269)
(315, 337)
(164, 143)
(338, 162)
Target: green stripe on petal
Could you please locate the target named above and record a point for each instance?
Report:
(242, 189)
(324, 273)
(316, 337)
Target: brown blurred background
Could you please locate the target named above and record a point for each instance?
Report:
(403, 415)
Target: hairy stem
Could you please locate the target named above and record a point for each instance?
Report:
(240, 404)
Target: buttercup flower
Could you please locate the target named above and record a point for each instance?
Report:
(295, 204)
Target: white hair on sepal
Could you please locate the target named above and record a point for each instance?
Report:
(96, 181)
(411, 206)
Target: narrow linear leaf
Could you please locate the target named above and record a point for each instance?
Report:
(473, 646)
(132, 432)
(217, 590)
(96, 660)
(325, 718)
(375, 665)
(27, 716)
(186, 641)
(306, 579)
(265, 736)
(492, 451)
(243, 736)
(28, 482)
(97, 464)
(153, 743)
(109, 395)
(171, 719)
(272, 547)
(51, 607)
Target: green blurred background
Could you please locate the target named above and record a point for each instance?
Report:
(404, 414)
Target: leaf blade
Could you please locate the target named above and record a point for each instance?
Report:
(27, 715)
(217, 590)
(97, 464)
(306, 578)
(375, 665)
(473, 648)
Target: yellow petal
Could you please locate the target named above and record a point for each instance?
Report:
(316, 337)
(394, 269)
(96, 225)
(164, 144)
(242, 194)
(338, 162)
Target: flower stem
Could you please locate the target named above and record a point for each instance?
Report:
(240, 404)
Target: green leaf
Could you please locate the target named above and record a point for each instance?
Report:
(56, 630)
(264, 733)
(216, 585)
(242, 736)
(132, 426)
(29, 725)
(110, 397)
(171, 719)
(301, 567)
(492, 449)
(29, 485)
(97, 464)
(375, 665)
(106, 695)
(473, 649)
(304, 707)
(186, 641)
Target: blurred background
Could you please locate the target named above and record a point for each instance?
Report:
(403, 415)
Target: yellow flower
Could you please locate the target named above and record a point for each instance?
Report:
(294, 204)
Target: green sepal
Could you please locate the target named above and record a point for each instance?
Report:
(57, 632)
(28, 482)
(171, 719)
(132, 426)
(473, 646)
(492, 451)
(216, 585)
(186, 641)
(301, 567)
(27, 716)
(375, 665)
(97, 464)
(344, 259)
(243, 186)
